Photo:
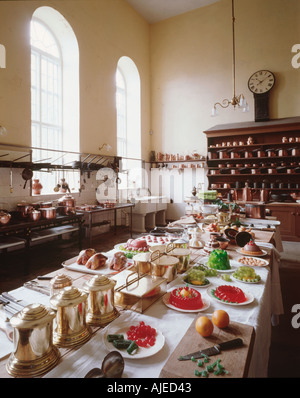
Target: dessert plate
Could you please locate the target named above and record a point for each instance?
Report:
(233, 264)
(264, 253)
(165, 299)
(251, 262)
(142, 352)
(249, 297)
(247, 282)
(207, 282)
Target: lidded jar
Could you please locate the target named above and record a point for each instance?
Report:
(59, 282)
(34, 353)
(70, 328)
(37, 187)
(100, 309)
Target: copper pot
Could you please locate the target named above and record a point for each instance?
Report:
(35, 215)
(259, 153)
(290, 171)
(45, 204)
(223, 154)
(24, 209)
(4, 217)
(48, 213)
(248, 154)
(270, 153)
(212, 155)
(66, 204)
(282, 152)
(255, 210)
(234, 155)
(295, 152)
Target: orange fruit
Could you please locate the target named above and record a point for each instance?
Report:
(204, 326)
(220, 318)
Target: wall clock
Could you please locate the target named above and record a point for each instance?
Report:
(260, 84)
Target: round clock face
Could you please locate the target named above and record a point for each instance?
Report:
(261, 82)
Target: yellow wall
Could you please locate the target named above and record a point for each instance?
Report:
(185, 64)
(106, 30)
(191, 67)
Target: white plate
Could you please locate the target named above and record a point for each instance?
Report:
(233, 264)
(264, 253)
(134, 252)
(73, 266)
(265, 262)
(165, 299)
(192, 284)
(142, 352)
(239, 280)
(249, 298)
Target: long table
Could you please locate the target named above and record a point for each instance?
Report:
(114, 209)
(75, 363)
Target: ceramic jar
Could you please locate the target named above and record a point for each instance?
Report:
(37, 187)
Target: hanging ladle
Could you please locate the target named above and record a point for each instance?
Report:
(112, 366)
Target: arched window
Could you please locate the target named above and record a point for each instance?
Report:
(128, 108)
(121, 114)
(54, 93)
(128, 102)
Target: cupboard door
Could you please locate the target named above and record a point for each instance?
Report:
(287, 218)
(298, 222)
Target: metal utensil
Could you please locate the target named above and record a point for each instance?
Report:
(215, 350)
(38, 288)
(112, 367)
(12, 299)
(27, 175)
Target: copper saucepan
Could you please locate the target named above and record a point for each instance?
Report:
(48, 213)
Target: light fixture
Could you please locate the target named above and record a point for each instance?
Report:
(106, 146)
(237, 100)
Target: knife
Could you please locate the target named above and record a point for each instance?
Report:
(37, 288)
(215, 350)
(12, 299)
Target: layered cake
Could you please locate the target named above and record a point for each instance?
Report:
(186, 298)
(229, 294)
(219, 260)
(211, 245)
(251, 249)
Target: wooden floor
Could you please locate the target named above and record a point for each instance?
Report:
(285, 346)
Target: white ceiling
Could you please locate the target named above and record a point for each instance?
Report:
(157, 10)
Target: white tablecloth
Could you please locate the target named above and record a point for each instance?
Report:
(173, 325)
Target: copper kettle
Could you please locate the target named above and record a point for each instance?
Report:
(264, 195)
(246, 194)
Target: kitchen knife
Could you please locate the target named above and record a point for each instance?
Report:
(215, 350)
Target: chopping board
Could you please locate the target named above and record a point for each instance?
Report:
(235, 361)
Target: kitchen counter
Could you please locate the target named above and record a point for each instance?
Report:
(174, 325)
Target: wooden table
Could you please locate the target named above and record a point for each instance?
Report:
(164, 318)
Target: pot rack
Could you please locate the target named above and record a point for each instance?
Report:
(15, 156)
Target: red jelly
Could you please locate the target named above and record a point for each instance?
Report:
(186, 298)
(144, 335)
(230, 294)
